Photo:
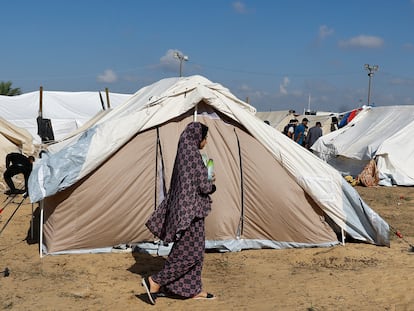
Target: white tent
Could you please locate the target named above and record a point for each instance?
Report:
(380, 133)
(67, 110)
(99, 189)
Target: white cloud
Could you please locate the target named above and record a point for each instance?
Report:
(363, 41)
(283, 86)
(408, 46)
(109, 76)
(239, 7)
(245, 88)
(324, 32)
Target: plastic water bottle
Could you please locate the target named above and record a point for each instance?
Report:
(210, 169)
(205, 158)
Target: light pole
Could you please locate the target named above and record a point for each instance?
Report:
(371, 70)
(181, 58)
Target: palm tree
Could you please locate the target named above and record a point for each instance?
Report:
(6, 89)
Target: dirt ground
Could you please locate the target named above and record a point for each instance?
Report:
(351, 277)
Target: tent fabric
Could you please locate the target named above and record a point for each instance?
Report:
(66, 110)
(380, 133)
(100, 188)
(274, 117)
(13, 139)
(19, 137)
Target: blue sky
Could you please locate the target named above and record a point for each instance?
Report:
(278, 54)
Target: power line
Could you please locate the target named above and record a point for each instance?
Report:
(262, 73)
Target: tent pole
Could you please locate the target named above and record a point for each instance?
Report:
(343, 236)
(241, 221)
(41, 229)
(107, 98)
(102, 102)
(195, 112)
(41, 102)
(156, 168)
(31, 224)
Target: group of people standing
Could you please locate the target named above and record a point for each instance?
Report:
(302, 134)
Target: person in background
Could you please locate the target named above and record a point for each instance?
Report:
(289, 129)
(334, 124)
(313, 134)
(300, 132)
(180, 219)
(17, 163)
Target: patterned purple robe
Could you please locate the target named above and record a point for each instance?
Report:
(180, 217)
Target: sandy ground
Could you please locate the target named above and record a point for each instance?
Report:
(351, 277)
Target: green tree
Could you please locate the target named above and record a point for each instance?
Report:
(6, 89)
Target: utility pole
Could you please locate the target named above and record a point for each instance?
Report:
(371, 70)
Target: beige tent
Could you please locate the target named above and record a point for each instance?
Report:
(99, 191)
(13, 139)
(18, 137)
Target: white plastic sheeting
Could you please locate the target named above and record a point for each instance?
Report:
(380, 133)
(67, 110)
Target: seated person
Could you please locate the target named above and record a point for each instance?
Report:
(17, 163)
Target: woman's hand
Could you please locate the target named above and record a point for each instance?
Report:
(213, 177)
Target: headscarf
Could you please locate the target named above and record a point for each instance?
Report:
(188, 196)
(204, 131)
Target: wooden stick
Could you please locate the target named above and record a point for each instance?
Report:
(107, 98)
(41, 102)
(102, 102)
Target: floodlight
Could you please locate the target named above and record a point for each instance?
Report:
(181, 58)
(371, 70)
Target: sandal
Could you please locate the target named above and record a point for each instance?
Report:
(151, 296)
(208, 296)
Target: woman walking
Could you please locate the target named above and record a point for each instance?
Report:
(180, 219)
